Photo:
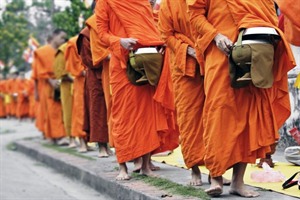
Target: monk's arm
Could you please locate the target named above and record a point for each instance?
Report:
(102, 20)
(73, 62)
(165, 26)
(197, 12)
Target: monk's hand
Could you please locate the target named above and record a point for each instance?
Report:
(108, 57)
(83, 73)
(128, 43)
(223, 43)
(54, 83)
(191, 52)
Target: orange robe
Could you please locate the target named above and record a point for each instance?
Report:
(39, 113)
(2, 99)
(50, 110)
(239, 124)
(13, 92)
(23, 99)
(95, 116)
(74, 66)
(175, 29)
(32, 103)
(140, 124)
(291, 9)
(7, 97)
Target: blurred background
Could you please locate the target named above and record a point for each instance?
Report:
(26, 24)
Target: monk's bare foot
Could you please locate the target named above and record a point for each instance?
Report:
(216, 187)
(196, 177)
(242, 191)
(148, 172)
(72, 144)
(109, 151)
(137, 165)
(226, 181)
(123, 174)
(153, 167)
(82, 149)
(102, 152)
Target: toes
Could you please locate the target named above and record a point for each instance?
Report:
(215, 191)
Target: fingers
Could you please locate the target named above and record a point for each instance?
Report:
(223, 43)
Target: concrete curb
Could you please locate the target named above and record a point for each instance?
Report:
(98, 181)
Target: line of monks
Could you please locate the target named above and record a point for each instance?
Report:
(17, 96)
(81, 89)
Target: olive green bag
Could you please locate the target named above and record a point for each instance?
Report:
(144, 68)
(256, 60)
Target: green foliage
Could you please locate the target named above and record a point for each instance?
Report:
(72, 152)
(13, 33)
(68, 19)
(173, 188)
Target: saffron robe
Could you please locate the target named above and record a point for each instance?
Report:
(188, 85)
(239, 124)
(75, 68)
(50, 110)
(140, 124)
(65, 88)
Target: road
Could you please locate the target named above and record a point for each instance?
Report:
(22, 178)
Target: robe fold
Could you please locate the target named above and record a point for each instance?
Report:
(140, 123)
(32, 103)
(65, 88)
(75, 68)
(188, 85)
(50, 110)
(239, 124)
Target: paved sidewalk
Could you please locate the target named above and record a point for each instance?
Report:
(100, 174)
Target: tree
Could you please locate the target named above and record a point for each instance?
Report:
(68, 19)
(14, 34)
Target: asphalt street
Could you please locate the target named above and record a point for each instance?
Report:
(22, 178)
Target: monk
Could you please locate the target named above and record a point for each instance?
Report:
(66, 97)
(140, 125)
(240, 125)
(32, 103)
(13, 92)
(188, 84)
(50, 109)
(97, 93)
(76, 69)
(23, 97)
(2, 97)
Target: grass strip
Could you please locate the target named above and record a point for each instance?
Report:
(72, 152)
(173, 188)
(11, 146)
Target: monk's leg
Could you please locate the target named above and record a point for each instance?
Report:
(225, 180)
(153, 167)
(237, 186)
(146, 170)
(123, 174)
(216, 187)
(137, 164)
(72, 143)
(196, 176)
(102, 150)
(83, 145)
